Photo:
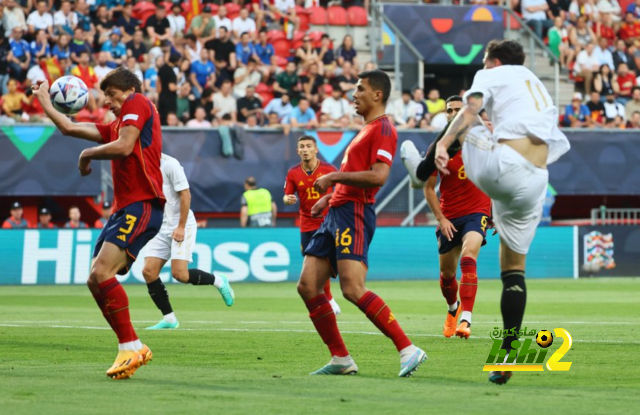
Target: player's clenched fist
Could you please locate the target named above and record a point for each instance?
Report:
(323, 183)
(442, 158)
(319, 207)
(84, 165)
(289, 199)
(41, 91)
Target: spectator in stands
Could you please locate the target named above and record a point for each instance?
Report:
(403, 110)
(167, 88)
(326, 56)
(85, 72)
(634, 7)
(79, 45)
(335, 107)
(116, 50)
(206, 102)
(138, 49)
(557, 8)
(61, 49)
(20, 56)
(74, 219)
(281, 107)
(604, 25)
(177, 22)
(191, 48)
(249, 105)
(275, 122)
(151, 79)
(221, 20)
(184, 99)
(285, 11)
(303, 116)
(435, 104)
(347, 53)
(103, 25)
(224, 52)
(40, 19)
(620, 55)
(13, 101)
(267, 55)
(596, 107)
(203, 26)
(613, 111)
(102, 67)
(611, 7)
(13, 17)
(288, 82)
(5, 49)
(603, 54)
(587, 65)
(115, 8)
(534, 13)
(252, 122)
(203, 73)
(581, 35)
(16, 221)
(258, 209)
(225, 104)
(243, 23)
(633, 105)
(200, 119)
(39, 47)
(347, 80)
(246, 76)
(127, 23)
(245, 49)
(173, 120)
(576, 114)
(158, 27)
(132, 65)
(605, 79)
(106, 213)
(35, 74)
(630, 30)
(306, 54)
(422, 113)
(64, 20)
(582, 8)
(626, 81)
(311, 82)
(84, 19)
(44, 219)
(634, 122)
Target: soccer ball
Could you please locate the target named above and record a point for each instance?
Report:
(544, 338)
(69, 95)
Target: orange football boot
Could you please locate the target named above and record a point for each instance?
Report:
(146, 354)
(451, 322)
(463, 330)
(126, 364)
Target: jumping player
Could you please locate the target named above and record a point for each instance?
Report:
(300, 179)
(463, 214)
(176, 240)
(510, 164)
(341, 244)
(133, 143)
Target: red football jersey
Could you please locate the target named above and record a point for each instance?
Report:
(298, 180)
(136, 177)
(458, 195)
(376, 142)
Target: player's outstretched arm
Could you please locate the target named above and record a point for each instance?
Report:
(375, 177)
(461, 124)
(86, 131)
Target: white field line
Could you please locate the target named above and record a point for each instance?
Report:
(256, 330)
(409, 322)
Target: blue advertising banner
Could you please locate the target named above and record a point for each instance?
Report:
(267, 255)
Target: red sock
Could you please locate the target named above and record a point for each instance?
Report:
(468, 283)
(324, 320)
(327, 290)
(380, 314)
(117, 306)
(97, 295)
(449, 287)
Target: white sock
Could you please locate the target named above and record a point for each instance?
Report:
(346, 360)
(466, 315)
(218, 282)
(127, 346)
(137, 344)
(453, 307)
(407, 352)
(170, 318)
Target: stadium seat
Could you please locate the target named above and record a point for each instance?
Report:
(265, 92)
(233, 10)
(316, 38)
(317, 16)
(297, 39)
(303, 15)
(143, 10)
(282, 47)
(623, 6)
(281, 61)
(357, 16)
(515, 25)
(336, 16)
(168, 6)
(274, 35)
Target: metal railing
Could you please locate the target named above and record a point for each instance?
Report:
(606, 216)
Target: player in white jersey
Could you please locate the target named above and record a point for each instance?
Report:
(510, 164)
(175, 241)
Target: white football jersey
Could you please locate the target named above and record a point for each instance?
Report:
(173, 181)
(519, 106)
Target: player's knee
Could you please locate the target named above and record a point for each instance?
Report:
(448, 273)
(306, 290)
(353, 293)
(181, 275)
(147, 274)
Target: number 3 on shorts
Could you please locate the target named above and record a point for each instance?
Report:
(130, 221)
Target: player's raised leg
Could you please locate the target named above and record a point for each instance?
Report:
(352, 277)
(111, 259)
(449, 288)
(315, 273)
(471, 243)
(158, 291)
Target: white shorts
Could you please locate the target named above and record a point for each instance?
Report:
(164, 247)
(516, 187)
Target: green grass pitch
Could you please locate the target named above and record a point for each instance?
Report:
(254, 358)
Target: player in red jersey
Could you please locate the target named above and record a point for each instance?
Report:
(463, 214)
(133, 143)
(300, 179)
(341, 244)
